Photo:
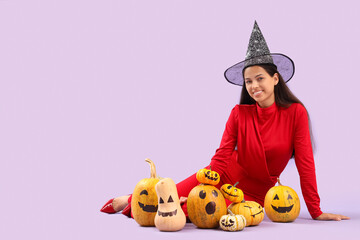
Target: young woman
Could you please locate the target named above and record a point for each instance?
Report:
(263, 132)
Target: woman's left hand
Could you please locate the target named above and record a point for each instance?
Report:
(330, 216)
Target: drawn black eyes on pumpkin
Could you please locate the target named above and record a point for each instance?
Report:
(290, 197)
(276, 197)
(144, 192)
(214, 193)
(202, 194)
(169, 200)
(229, 187)
(208, 172)
(216, 175)
(231, 221)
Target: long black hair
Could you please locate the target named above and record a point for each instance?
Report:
(283, 96)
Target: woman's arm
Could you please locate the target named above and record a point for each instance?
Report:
(221, 159)
(304, 160)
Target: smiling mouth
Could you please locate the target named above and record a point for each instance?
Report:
(282, 209)
(148, 208)
(211, 178)
(257, 213)
(166, 214)
(257, 93)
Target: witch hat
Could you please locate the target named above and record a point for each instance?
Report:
(258, 53)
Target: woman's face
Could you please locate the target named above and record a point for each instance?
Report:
(260, 85)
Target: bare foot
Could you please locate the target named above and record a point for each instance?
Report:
(120, 203)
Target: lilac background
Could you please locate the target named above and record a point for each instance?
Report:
(89, 89)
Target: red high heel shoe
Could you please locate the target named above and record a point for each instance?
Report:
(108, 207)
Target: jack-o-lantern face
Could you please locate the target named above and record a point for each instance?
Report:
(232, 193)
(252, 211)
(232, 222)
(170, 216)
(205, 206)
(207, 176)
(169, 203)
(282, 204)
(144, 201)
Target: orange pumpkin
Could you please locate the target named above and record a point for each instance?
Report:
(207, 176)
(282, 204)
(232, 193)
(205, 206)
(144, 201)
(252, 211)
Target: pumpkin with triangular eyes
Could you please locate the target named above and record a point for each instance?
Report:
(205, 206)
(144, 201)
(282, 204)
(252, 211)
(207, 176)
(232, 193)
(170, 217)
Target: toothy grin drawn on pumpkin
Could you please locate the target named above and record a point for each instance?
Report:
(223, 222)
(148, 208)
(210, 177)
(165, 214)
(282, 209)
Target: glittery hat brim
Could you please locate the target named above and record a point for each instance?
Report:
(284, 64)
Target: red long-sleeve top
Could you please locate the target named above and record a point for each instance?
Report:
(255, 148)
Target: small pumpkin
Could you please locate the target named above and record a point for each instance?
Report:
(232, 222)
(232, 193)
(170, 217)
(205, 206)
(144, 201)
(252, 211)
(282, 204)
(207, 176)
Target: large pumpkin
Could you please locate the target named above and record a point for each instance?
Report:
(232, 193)
(282, 204)
(252, 211)
(205, 206)
(207, 176)
(144, 201)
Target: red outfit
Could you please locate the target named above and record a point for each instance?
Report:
(265, 139)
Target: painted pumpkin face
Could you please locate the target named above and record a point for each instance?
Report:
(282, 204)
(170, 216)
(252, 211)
(232, 193)
(207, 176)
(144, 201)
(232, 222)
(205, 205)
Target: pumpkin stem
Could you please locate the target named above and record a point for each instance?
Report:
(236, 184)
(278, 180)
(210, 167)
(243, 201)
(152, 168)
(230, 212)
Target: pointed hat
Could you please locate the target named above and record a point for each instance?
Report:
(259, 53)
